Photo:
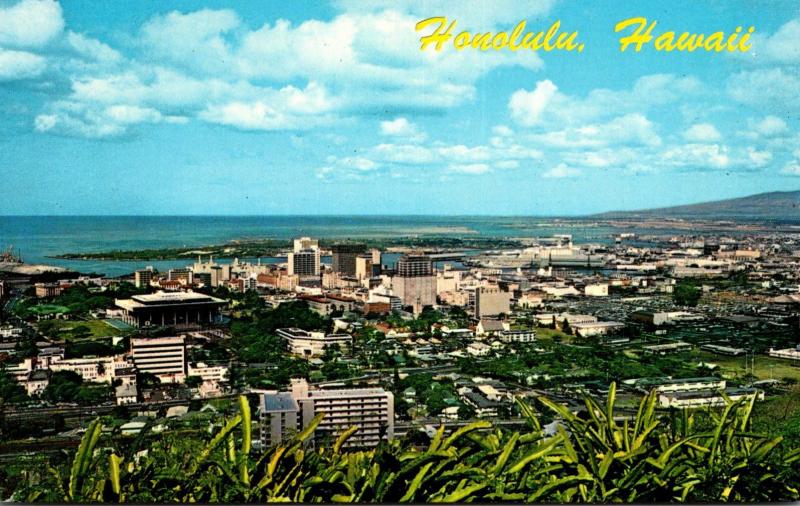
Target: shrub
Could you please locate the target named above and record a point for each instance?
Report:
(594, 456)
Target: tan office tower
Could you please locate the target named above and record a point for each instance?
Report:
(491, 301)
(414, 282)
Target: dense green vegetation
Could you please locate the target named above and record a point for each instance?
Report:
(547, 364)
(686, 293)
(255, 342)
(11, 392)
(591, 457)
(76, 300)
(68, 386)
(273, 247)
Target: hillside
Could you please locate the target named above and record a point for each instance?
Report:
(763, 206)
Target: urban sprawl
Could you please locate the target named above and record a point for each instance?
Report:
(440, 337)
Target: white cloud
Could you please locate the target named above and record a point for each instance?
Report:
(792, 168)
(631, 129)
(30, 23)
(783, 46)
(92, 48)
(471, 168)
(697, 156)
(194, 40)
(131, 114)
(561, 171)
(759, 158)
(462, 153)
(546, 106)
(16, 65)
(769, 126)
(527, 106)
(209, 64)
(402, 128)
(45, 122)
(502, 131)
(702, 132)
(767, 88)
(403, 154)
(372, 57)
(475, 15)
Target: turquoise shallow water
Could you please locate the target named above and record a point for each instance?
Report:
(40, 237)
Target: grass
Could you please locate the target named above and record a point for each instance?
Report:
(546, 334)
(97, 328)
(765, 367)
(44, 309)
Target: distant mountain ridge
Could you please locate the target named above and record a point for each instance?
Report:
(762, 206)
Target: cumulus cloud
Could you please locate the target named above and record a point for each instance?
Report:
(527, 106)
(545, 104)
(469, 168)
(451, 158)
(630, 129)
(561, 171)
(702, 132)
(210, 65)
(783, 46)
(402, 128)
(30, 23)
(476, 15)
(769, 126)
(16, 65)
(773, 88)
(792, 168)
(92, 49)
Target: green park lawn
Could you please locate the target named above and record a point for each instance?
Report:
(765, 367)
(46, 309)
(97, 328)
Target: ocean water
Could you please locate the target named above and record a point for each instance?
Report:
(39, 238)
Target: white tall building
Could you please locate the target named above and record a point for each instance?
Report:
(163, 356)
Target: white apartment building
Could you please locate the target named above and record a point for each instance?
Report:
(163, 356)
(517, 336)
(369, 409)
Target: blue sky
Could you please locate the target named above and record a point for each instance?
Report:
(188, 107)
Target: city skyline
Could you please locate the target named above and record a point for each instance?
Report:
(205, 108)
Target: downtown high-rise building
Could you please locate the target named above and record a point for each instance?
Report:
(414, 281)
(344, 258)
(304, 260)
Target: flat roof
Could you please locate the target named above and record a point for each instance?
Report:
(161, 299)
(278, 402)
(172, 297)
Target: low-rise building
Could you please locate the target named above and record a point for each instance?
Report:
(596, 328)
(706, 398)
(312, 344)
(666, 348)
(517, 336)
(182, 310)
